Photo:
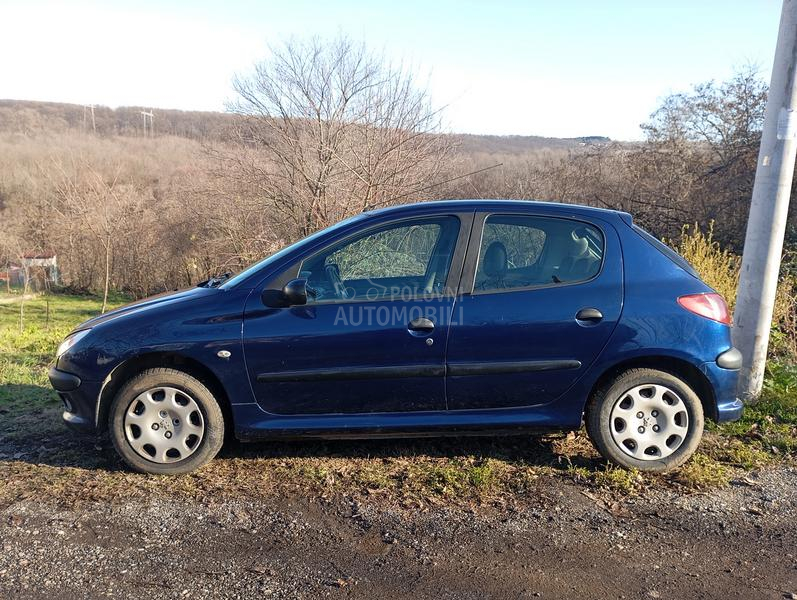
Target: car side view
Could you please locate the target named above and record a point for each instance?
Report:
(439, 318)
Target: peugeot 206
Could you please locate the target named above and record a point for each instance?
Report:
(438, 318)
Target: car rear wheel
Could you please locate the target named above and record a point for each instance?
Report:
(647, 419)
(166, 422)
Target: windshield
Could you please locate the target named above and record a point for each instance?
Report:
(252, 269)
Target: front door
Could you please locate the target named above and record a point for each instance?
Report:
(542, 296)
(373, 338)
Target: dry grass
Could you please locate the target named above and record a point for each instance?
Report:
(717, 267)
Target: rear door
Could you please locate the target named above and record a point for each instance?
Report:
(539, 298)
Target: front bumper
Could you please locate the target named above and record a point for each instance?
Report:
(78, 397)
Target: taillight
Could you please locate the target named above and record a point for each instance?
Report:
(711, 306)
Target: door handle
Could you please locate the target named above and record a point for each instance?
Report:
(421, 325)
(590, 315)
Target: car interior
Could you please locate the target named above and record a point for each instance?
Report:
(397, 261)
(414, 259)
(532, 251)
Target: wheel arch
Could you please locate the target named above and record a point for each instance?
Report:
(676, 366)
(139, 363)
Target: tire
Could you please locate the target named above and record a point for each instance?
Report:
(165, 422)
(663, 438)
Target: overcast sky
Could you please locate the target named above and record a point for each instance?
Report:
(528, 67)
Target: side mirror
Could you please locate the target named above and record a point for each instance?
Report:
(294, 293)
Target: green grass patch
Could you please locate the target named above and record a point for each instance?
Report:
(627, 481)
(27, 349)
(767, 430)
(703, 472)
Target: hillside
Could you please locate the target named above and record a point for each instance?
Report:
(187, 199)
(30, 118)
(521, 144)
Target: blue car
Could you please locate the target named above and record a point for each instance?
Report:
(439, 318)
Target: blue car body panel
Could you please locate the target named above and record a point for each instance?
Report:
(514, 360)
(531, 326)
(367, 339)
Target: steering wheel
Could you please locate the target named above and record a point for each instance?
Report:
(333, 274)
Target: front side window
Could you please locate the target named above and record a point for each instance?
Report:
(525, 251)
(404, 259)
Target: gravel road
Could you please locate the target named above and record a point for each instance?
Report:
(565, 542)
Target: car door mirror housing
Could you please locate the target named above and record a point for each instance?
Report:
(294, 293)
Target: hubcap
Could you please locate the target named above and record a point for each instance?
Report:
(649, 422)
(164, 425)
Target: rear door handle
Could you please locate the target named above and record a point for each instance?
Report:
(421, 325)
(590, 315)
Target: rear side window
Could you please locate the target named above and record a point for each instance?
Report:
(666, 251)
(526, 251)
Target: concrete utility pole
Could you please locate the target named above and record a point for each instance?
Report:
(766, 226)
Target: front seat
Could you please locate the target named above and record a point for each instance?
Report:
(494, 266)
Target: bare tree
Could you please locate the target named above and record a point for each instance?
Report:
(696, 165)
(104, 207)
(328, 129)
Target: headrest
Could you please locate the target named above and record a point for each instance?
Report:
(494, 264)
(579, 247)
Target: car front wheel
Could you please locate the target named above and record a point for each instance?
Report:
(646, 419)
(166, 422)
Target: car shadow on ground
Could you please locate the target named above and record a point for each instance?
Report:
(31, 431)
(526, 449)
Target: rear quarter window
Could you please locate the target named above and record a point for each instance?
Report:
(666, 251)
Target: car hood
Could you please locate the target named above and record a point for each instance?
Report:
(148, 304)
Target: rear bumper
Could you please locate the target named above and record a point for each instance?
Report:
(78, 397)
(724, 381)
(730, 411)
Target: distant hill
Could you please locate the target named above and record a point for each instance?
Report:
(30, 118)
(522, 144)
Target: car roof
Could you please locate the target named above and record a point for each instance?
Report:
(498, 204)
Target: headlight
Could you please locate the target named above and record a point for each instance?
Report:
(70, 341)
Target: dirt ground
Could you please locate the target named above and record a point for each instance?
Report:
(563, 541)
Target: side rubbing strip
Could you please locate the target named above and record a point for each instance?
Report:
(354, 373)
(489, 368)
